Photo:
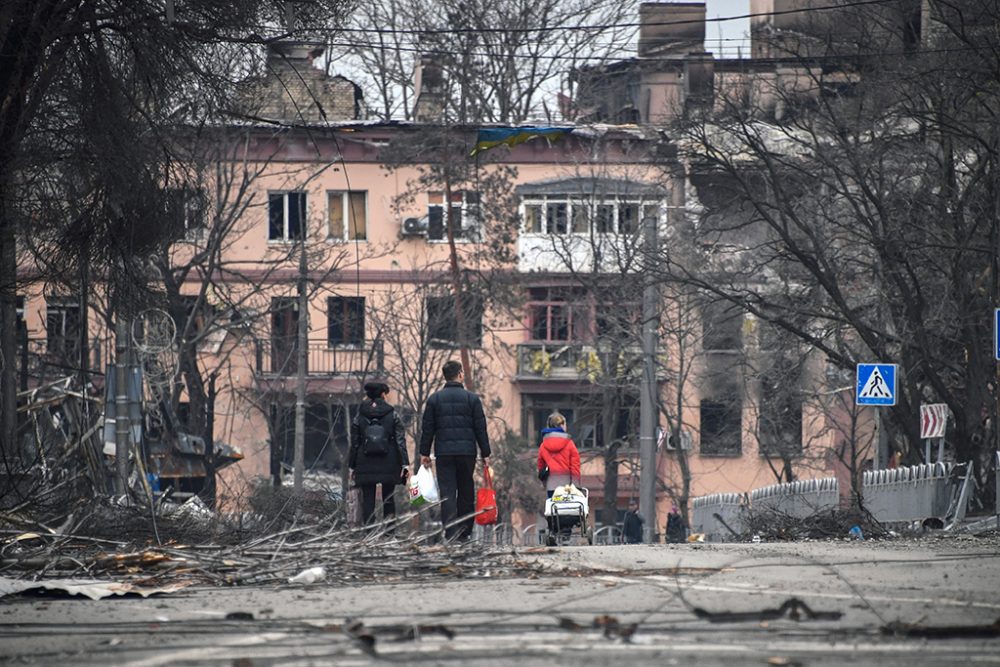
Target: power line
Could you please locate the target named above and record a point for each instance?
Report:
(572, 28)
(774, 59)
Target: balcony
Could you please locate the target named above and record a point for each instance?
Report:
(40, 361)
(579, 362)
(278, 358)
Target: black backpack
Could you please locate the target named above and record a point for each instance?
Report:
(376, 437)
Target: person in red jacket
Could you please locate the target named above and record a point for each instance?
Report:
(558, 453)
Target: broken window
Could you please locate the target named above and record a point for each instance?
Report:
(442, 323)
(345, 320)
(284, 335)
(186, 211)
(63, 326)
(721, 426)
(286, 216)
(556, 315)
(722, 326)
(347, 215)
(564, 214)
(586, 417)
(462, 216)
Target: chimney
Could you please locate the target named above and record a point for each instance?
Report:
(428, 90)
(671, 29)
(292, 54)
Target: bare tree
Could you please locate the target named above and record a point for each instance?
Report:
(93, 92)
(500, 59)
(863, 220)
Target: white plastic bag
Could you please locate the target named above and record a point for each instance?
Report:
(423, 487)
(310, 576)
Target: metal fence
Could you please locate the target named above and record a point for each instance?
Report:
(910, 493)
(712, 513)
(801, 498)
(279, 358)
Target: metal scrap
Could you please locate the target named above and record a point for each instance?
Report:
(93, 589)
(793, 609)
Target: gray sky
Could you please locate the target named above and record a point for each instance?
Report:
(735, 34)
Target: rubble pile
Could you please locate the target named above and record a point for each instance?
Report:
(198, 547)
(776, 526)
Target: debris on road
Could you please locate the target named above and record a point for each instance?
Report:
(793, 609)
(93, 589)
(216, 550)
(309, 576)
(943, 631)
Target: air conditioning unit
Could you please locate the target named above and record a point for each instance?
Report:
(415, 226)
(686, 441)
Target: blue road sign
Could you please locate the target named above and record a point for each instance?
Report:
(876, 384)
(996, 334)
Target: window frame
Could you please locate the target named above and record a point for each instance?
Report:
(595, 210)
(303, 216)
(190, 206)
(585, 420)
(345, 321)
(70, 313)
(469, 210)
(576, 309)
(345, 206)
(475, 340)
(727, 407)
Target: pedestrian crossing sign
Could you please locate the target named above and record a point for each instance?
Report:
(876, 384)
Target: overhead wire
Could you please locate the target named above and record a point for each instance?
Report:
(574, 28)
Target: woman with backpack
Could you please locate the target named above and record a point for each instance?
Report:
(378, 452)
(558, 458)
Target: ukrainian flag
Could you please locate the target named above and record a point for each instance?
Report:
(512, 136)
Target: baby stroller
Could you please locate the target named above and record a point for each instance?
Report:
(565, 513)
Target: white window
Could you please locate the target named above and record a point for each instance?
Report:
(286, 216)
(347, 215)
(562, 215)
(462, 215)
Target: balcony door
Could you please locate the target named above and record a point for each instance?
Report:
(284, 335)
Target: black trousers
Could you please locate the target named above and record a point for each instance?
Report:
(368, 501)
(458, 493)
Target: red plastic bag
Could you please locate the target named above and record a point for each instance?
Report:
(486, 503)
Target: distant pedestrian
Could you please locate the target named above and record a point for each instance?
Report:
(558, 454)
(632, 525)
(676, 526)
(454, 423)
(378, 452)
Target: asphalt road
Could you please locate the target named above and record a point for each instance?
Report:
(928, 602)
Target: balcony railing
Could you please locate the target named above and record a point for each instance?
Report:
(278, 357)
(578, 362)
(40, 360)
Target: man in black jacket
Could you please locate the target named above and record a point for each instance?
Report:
(455, 423)
(632, 525)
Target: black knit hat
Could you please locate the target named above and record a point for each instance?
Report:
(376, 389)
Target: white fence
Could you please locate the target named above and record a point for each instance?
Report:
(898, 495)
(801, 498)
(711, 514)
(910, 493)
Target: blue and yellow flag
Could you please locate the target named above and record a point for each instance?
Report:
(512, 136)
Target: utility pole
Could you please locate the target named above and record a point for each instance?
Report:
(647, 397)
(300, 361)
(122, 424)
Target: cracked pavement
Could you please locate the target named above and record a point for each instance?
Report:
(876, 604)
